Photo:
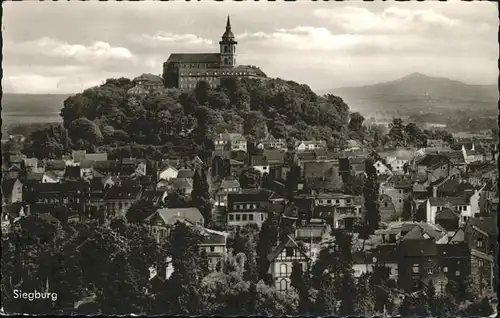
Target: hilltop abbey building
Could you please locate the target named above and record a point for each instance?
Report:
(185, 70)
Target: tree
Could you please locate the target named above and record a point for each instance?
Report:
(356, 126)
(181, 293)
(200, 196)
(244, 241)
(266, 242)
(370, 191)
(300, 282)
(177, 199)
(353, 184)
(250, 179)
(481, 308)
(396, 132)
(85, 130)
(364, 304)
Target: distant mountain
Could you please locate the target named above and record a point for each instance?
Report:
(419, 92)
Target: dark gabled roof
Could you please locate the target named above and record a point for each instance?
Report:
(447, 214)
(227, 184)
(61, 187)
(289, 243)
(453, 250)
(445, 200)
(72, 172)
(258, 160)
(171, 216)
(107, 165)
(149, 77)
(485, 224)
(185, 173)
(55, 165)
(35, 176)
(195, 58)
(212, 237)
(13, 210)
(251, 195)
(122, 193)
(152, 195)
(432, 159)
(8, 186)
(420, 247)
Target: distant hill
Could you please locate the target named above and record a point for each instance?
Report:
(32, 107)
(418, 92)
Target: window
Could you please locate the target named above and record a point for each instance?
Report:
(238, 217)
(337, 201)
(415, 268)
(445, 269)
(385, 204)
(429, 271)
(328, 201)
(244, 217)
(416, 284)
(283, 269)
(262, 217)
(374, 259)
(283, 285)
(480, 263)
(457, 273)
(479, 243)
(289, 251)
(250, 217)
(248, 206)
(212, 248)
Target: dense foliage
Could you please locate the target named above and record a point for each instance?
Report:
(106, 116)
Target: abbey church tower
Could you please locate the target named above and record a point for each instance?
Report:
(228, 47)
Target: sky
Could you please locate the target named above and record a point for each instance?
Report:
(65, 47)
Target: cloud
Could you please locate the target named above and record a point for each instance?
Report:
(97, 51)
(390, 20)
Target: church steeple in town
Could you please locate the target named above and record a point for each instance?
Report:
(228, 46)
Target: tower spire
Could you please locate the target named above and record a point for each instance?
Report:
(228, 23)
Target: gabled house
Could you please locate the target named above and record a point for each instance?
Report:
(418, 255)
(481, 235)
(215, 246)
(52, 176)
(459, 204)
(305, 145)
(58, 166)
(227, 186)
(386, 208)
(10, 214)
(281, 261)
(272, 143)
(382, 169)
(250, 206)
(163, 220)
(74, 195)
(398, 188)
(12, 191)
(367, 261)
(167, 172)
(230, 141)
(118, 199)
(312, 231)
(471, 155)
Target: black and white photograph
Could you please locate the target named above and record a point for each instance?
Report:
(250, 158)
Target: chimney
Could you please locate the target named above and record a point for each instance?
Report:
(434, 192)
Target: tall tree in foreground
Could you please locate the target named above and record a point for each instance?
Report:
(267, 240)
(200, 195)
(370, 192)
